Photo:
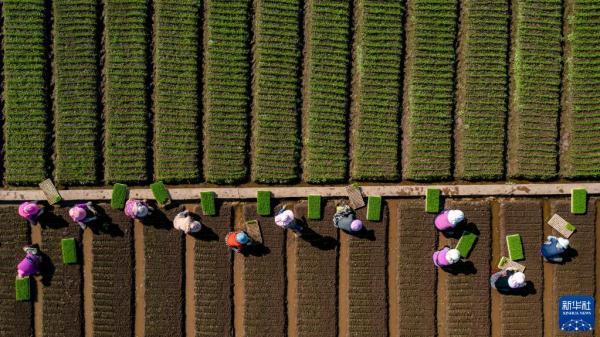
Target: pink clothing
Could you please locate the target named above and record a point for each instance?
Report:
(284, 218)
(29, 211)
(442, 223)
(132, 206)
(30, 265)
(439, 257)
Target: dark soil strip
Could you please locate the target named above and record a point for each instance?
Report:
(577, 276)
(164, 289)
(316, 275)
(417, 277)
(265, 281)
(522, 315)
(213, 276)
(112, 270)
(15, 317)
(467, 304)
(367, 286)
(63, 295)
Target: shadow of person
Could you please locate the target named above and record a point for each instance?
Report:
(205, 234)
(47, 269)
(159, 219)
(460, 228)
(256, 249)
(569, 255)
(462, 267)
(52, 220)
(317, 240)
(528, 289)
(367, 234)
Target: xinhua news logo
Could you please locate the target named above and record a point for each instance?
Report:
(576, 313)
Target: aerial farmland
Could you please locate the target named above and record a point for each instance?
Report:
(234, 110)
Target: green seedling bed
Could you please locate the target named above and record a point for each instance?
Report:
(374, 208)
(465, 243)
(69, 250)
(22, 289)
(263, 200)
(578, 201)
(314, 207)
(207, 200)
(432, 200)
(119, 196)
(515, 247)
(160, 192)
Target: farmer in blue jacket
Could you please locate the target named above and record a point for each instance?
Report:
(554, 248)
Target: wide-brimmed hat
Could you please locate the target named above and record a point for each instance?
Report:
(356, 225)
(77, 213)
(242, 238)
(516, 280)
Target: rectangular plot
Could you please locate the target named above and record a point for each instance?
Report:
(276, 56)
(376, 76)
(481, 89)
(16, 318)
(226, 94)
(576, 276)
(75, 91)
(265, 310)
(164, 259)
(125, 93)
(367, 275)
(176, 101)
(326, 68)
(417, 276)
(522, 315)
(428, 104)
(534, 88)
(112, 277)
(62, 295)
(213, 276)
(25, 94)
(467, 301)
(316, 274)
(580, 114)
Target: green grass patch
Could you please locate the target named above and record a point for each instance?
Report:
(465, 243)
(207, 200)
(578, 201)
(22, 289)
(119, 196)
(515, 247)
(314, 207)
(570, 227)
(263, 203)
(69, 250)
(374, 208)
(433, 200)
(160, 192)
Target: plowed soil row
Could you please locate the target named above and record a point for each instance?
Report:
(15, 317)
(112, 277)
(522, 315)
(63, 300)
(164, 289)
(213, 276)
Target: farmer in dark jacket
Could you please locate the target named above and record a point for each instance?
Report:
(508, 280)
(554, 248)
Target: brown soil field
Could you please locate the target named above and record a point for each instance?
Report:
(324, 283)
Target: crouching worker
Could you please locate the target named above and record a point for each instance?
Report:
(183, 221)
(286, 220)
(238, 241)
(508, 280)
(30, 211)
(554, 248)
(137, 209)
(31, 264)
(446, 257)
(83, 214)
(448, 219)
(345, 219)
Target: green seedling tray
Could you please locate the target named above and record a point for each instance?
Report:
(69, 250)
(207, 200)
(314, 207)
(465, 243)
(119, 196)
(432, 200)
(263, 203)
(503, 260)
(22, 289)
(570, 227)
(578, 201)
(160, 192)
(515, 247)
(374, 208)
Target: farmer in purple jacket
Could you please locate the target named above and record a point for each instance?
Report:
(448, 219)
(83, 214)
(30, 211)
(137, 209)
(445, 257)
(30, 265)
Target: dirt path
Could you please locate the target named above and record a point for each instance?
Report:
(392, 270)
(140, 274)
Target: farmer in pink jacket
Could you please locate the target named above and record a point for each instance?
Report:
(286, 220)
(30, 211)
(31, 264)
(446, 257)
(448, 219)
(137, 209)
(184, 222)
(83, 214)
